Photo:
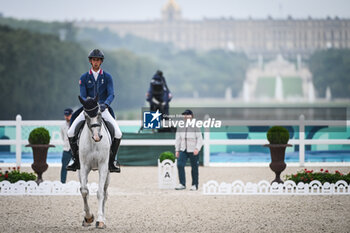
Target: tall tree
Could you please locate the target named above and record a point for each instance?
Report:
(40, 75)
(37, 73)
(331, 68)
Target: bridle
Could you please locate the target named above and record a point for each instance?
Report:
(96, 124)
(92, 111)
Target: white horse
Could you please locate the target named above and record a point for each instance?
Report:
(94, 149)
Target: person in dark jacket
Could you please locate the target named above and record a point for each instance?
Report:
(96, 82)
(158, 94)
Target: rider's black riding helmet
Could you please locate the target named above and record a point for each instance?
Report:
(159, 72)
(96, 53)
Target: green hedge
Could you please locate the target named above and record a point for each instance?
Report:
(306, 176)
(15, 175)
(146, 155)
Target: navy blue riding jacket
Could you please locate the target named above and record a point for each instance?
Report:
(103, 86)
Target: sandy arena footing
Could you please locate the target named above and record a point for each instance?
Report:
(136, 204)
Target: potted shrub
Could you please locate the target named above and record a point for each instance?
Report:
(39, 139)
(278, 137)
(167, 170)
(167, 155)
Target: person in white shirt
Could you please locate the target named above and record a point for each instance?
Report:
(67, 153)
(188, 143)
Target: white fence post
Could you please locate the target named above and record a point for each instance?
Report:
(206, 147)
(206, 152)
(301, 123)
(18, 140)
(301, 141)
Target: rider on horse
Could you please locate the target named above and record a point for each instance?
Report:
(92, 83)
(159, 94)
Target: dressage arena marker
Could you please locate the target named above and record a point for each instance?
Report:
(45, 188)
(264, 187)
(167, 171)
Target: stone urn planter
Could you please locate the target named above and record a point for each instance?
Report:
(278, 138)
(39, 139)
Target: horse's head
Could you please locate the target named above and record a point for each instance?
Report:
(92, 116)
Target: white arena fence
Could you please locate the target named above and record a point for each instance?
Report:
(264, 187)
(212, 187)
(44, 188)
(301, 123)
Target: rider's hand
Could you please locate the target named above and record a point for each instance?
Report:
(103, 107)
(177, 154)
(195, 152)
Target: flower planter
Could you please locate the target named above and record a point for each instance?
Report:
(39, 156)
(167, 171)
(277, 164)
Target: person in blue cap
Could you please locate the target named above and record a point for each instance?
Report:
(67, 153)
(188, 143)
(96, 82)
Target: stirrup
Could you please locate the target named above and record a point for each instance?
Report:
(114, 167)
(74, 166)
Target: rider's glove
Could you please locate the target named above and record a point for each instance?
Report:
(103, 107)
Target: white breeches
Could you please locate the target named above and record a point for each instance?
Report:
(105, 115)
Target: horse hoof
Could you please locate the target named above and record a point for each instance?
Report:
(100, 225)
(85, 224)
(87, 221)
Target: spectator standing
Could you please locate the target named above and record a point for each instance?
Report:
(67, 153)
(188, 143)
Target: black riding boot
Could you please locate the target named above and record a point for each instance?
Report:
(75, 155)
(113, 165)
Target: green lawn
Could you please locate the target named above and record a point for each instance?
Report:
(292, 87)
(265, 87)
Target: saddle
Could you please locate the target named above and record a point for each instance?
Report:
(110, 129)
(80, 126)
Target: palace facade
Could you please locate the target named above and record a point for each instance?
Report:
(266, 37)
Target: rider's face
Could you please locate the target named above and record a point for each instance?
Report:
(96, 63)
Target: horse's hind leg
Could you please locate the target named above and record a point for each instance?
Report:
(102, 196)
(89, 218)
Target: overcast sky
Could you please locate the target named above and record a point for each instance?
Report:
(63, 10)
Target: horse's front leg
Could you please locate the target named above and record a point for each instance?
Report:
(105, 193)
(83, 176)
(102, 194)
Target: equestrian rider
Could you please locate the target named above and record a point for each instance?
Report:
(158, 94)
(94, 82)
